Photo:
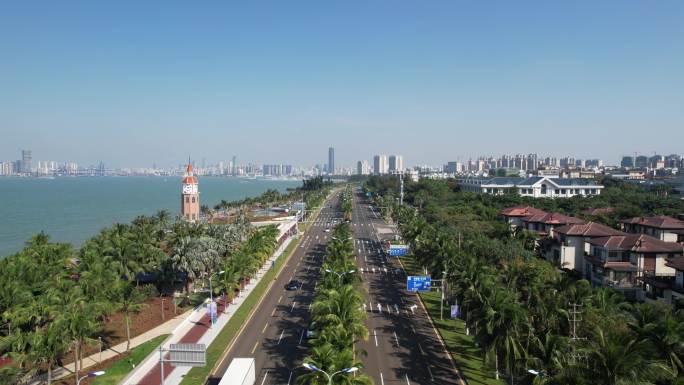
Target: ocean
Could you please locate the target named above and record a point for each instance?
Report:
(74, 209)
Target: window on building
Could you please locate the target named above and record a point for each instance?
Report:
(193, 199)
(563, 191)
(187, 199)
(556, 191)
(543, 189)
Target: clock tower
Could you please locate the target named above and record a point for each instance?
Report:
(190, 206)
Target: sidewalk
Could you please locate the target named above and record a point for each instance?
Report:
(196, 329)
(166, 328)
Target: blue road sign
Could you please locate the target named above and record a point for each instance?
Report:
(398, 250)
(418, 283)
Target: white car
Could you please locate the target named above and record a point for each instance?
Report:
(327, 230)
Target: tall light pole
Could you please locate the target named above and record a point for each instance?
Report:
(313, 368)
(211, 299)
(339, 275)
(91, 374)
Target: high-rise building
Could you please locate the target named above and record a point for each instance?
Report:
(233, 166)
(190, 206)
(25, 161)
(380, 166)
(331, 160)
(641, 161)
(627, 162)
(362, 167)
(396, 163)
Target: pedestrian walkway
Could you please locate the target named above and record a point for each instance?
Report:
(196, 329)
(166, 328)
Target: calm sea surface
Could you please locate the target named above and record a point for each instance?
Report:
(74, 209)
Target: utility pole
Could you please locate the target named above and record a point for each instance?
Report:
(574, 339)
(401, 189)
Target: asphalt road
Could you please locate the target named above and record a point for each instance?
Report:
(402, 348)
(275, 334)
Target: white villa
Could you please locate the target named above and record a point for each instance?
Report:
(534, 187)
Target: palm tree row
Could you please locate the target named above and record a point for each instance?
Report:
(54, 299)
(519, 308)
(337, 316)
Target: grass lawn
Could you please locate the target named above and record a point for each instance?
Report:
(467, 356)
(197, 375)
(120, 368)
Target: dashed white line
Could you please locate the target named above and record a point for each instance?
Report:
(293, 306)
(265, 375)
(407, 380)
(382, 381)
(289, 378)
(281, 336)
(301, 337)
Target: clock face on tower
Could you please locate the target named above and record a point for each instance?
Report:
(189, 189)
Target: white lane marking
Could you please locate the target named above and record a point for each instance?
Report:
(289, 378)
(432, 378)
(407, 380)
(281, 336)
(388, 309)
(300, 342)
(396, 338)
(375, 336)
(265, 375)
(382, 381)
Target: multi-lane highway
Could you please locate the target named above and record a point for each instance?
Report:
(275, 334)
(403, 347)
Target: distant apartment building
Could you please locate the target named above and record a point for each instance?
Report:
(641, 161)
(380, 164)
(363, 167)
(534, 187)
(627, 162)
(276, 169)
(396, 164)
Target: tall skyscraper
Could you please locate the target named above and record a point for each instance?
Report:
(380, 165)
(331, 160)
(234, 166)
(396, 163)
(25, 161)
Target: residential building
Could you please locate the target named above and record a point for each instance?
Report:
(545, 223)
(627, 162)
(665, 228)
(396, 164)
(362, 167)
(631, 263)
(380, 165)
(25, 162)
(534, 187)
(673, 291)
(569, 243)
(514, 216)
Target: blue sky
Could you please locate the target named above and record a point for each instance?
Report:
(132, 83)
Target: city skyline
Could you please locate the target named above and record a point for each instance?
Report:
(432, 82)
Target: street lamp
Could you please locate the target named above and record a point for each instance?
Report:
(211, 299)
(339, 275)
(313, 368)
(91, 374)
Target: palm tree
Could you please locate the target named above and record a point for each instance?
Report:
(617, 357)
(127, 300)
(331, 360)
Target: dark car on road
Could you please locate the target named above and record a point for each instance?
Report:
(293, 285)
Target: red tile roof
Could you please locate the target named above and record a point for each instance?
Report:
(589, 229)
(598, 211)
(659, 222)
(675, 263)
(553, 219)
(521, 211)
(640, 243)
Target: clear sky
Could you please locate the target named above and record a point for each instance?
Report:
(132, 83)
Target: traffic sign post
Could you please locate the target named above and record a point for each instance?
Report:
(397, 250)
(418, 283)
